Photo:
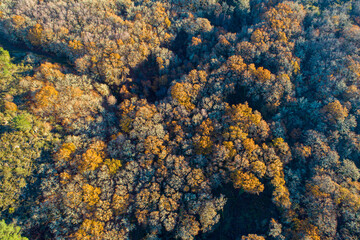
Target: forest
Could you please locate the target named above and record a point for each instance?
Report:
(179, 119)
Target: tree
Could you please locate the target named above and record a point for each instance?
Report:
(35, 34)
(247, 181)
(335, 111)
(252, 237)
(90, 229)
(10, 232)
(21, 123)
(185, 93)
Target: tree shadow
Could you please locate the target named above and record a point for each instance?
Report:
(243, 214)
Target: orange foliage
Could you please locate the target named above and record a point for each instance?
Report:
(206, 127)
(64, 177)
(283, 19)
(18, 20)
(10, 106)
(49, 71)
(195, 41)
(46, 96)
(195, 178)
(316, 192)
(35, 34)
(93, 157)
(154, 145)
(76, 45)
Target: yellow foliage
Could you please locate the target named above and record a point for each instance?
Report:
(335, 111)
(303, 227)
(64, 177)
(235, 132)
(65, 151)
(230, 146)
(125, 122)
(282, 37)
(203, 145)
(113, 165)
(90, 230)
(243, 116)
(252, 237)
(247, 181)
(354, 67)
(76, 45)
(261, 74)
(316, 192)
(281, 195)
(120, 203)
(197, 76)
(296, 66)
(277, 142)
(259, 168)
(91, 194)
(275, 167)
(249, 145)
(184, 92)
(345, 197)
(91, 160)
(63, 31)
(167, 22)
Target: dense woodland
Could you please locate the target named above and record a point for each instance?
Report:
(180, 119)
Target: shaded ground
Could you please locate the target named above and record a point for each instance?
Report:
(243, 214)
